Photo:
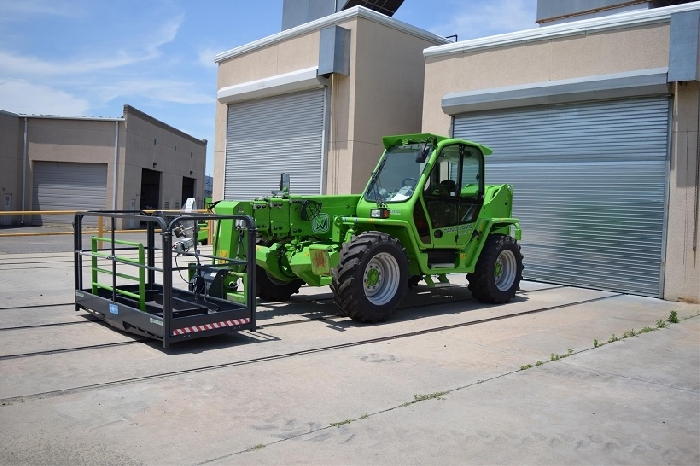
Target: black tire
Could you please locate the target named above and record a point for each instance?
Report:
(498, 271)
(374, 256)
(269, 289)
(204, 242)
(414, 280)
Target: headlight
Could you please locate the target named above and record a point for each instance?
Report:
(379, 213)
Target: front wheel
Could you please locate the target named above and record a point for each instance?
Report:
(498, 271)
(270, 289)
(371, 278)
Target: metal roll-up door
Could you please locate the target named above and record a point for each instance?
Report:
(589, 188)
(267, 137)
(68, 186)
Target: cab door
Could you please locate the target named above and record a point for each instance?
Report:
(453, 196)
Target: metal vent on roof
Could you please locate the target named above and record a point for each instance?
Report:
(385, 7)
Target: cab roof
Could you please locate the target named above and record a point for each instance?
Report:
(417, 138)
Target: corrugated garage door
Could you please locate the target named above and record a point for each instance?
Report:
(266, 137)
(68, 186)
(590, 188)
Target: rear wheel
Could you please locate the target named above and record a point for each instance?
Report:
(271, 289)
(498, 271)
(371, 277)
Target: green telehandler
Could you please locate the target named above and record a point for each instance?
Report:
(426, 212)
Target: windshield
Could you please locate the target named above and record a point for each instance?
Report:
(397, 175)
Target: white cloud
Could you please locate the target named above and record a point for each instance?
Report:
(206, 56)
(31, 66)
(11, 9)
(24, 97)
(165, 34)
(179, 92)
(481, 19)
(17, 65)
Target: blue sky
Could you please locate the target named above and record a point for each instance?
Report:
(90, 57)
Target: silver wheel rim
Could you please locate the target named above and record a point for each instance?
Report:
(505, 270)
(381, 278)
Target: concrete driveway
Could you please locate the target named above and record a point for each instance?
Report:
(447, 381)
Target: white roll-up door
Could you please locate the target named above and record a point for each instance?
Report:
(589, 188)
(267, 137)
(69, 186)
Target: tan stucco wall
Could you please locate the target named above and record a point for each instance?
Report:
(73, 141)
(387, 74)
(11, 136)
(682, 278)
(284, 57)
(174, 155)
(547, 60)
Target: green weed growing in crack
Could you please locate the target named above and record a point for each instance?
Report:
(629, 333)
(554, 357)
(342, 423)
(432, 396)
(259, 446)
(613, 339)
(569, 352)
(660, 324)
(596, 343)
(526, 367)
(539, 363)
(673, 317)
(364, 416)
(647, 329)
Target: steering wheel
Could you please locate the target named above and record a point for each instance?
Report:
(406, 181)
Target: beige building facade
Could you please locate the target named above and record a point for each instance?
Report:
(82, 163)
(315, 101)
(595, 123)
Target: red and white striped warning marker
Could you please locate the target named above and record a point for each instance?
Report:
(215, 325)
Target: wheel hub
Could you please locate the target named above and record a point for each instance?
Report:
(381, 278)
(504, 270)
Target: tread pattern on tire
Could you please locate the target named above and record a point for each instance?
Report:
(482, 282)
(347, 283)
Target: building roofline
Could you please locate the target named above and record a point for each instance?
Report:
(605, 23)
(335, 18)
(58, 117)
(129, 110)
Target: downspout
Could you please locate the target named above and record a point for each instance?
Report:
(116, 159)
(24, 169)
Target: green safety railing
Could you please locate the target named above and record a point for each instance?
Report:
(140, 263)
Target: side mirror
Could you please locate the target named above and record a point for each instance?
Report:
(284, 183)
(422, 155)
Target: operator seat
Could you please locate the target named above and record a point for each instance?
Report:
(448, 188)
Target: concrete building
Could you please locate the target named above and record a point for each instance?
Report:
(83, 163)
(314, 101)
(595, 123)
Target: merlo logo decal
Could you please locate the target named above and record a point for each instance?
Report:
(321, 223)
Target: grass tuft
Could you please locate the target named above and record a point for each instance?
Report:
(341, 423)
(673, 317)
